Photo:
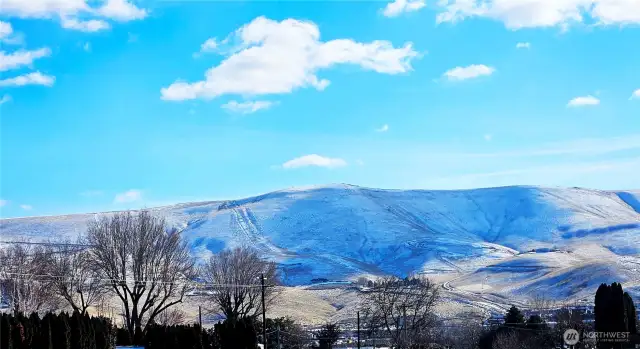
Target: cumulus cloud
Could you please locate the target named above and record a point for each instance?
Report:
(5, 99)
(247, 107)
(26, 207)
(518, 14)
(90, 26)
(384, 128)
(469, 72)
(21, 58)
(635, 94)
(397, 7)
(8, 36)
(68, 11)
(35, 78)
(122, 10)
(279, 57)
(523, 45)
(128, 196)
(314, 160)
(3, 202)
(583, 101)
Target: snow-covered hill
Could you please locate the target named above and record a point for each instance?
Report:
(338, 232)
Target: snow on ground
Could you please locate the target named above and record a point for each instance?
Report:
(339, 232)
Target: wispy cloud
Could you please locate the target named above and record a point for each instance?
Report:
(314, 160)
(585, 146)
(384, 128)
(397, 7)
(557, 174)
(5, 99)
(87, 47)
(132, 195)
(247, 107)
(583, 101)
(21, 58)
(525, 45)
(470, 72)
(3, 202)
(35, 78)
(26, 207)
(635, 94)
(90, 26)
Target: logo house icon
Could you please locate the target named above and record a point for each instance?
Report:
(571, 337)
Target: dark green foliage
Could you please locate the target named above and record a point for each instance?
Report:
(630, 310)
(328, 335)
(285, 331)
(179, 336)
(514, 317)
(239, 334)
(55, 332)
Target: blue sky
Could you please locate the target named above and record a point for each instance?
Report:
(117, 104)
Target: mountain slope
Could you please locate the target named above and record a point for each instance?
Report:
(341, 231)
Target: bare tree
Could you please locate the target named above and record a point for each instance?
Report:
(23, 280)
(235, 275)
(403, 308)
(73, 278)
(541, 305)
(171, 317)
(147, 267)
(507, 340)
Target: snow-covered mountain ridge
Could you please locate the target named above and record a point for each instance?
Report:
(340, 231)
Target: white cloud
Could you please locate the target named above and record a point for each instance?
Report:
(21, 58)
(280, 57)
(122, 10)
(526, 45)
(583, 101)
(209, 46)
(68, 10)
(35, 78)
(8, 36)
(397, 7)
(3, 202)
(517, 14)
(26, 207)
(488, 137)
(90, 26)
(247, 107)
(87, 46)
(314, 160)
(384, 128)
(469, 72)
(635, 94)
(5, 99)
(128, 196)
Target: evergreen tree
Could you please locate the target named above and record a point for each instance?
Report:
(514, 317)
(632, 316)
(6, 337)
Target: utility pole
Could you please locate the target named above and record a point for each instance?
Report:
(264, 317)
(358, 330)
(200, 316)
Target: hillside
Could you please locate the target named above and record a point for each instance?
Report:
(341, 231)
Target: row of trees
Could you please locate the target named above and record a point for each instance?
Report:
(56, 331)
(137, 259)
